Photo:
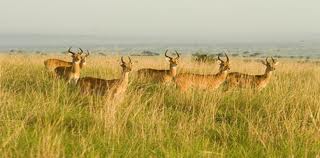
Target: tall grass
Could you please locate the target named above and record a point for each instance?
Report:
(42, 117)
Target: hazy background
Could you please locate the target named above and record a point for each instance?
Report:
(97, 23)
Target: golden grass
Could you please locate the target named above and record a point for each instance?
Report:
(42, 117)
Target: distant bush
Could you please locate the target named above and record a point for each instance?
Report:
(246, 52)
(278, 56)
(102, 54)
(255, 54)
(204, 58)
(146, 53)
(235, 55)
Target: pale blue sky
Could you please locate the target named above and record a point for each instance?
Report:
(179, 19)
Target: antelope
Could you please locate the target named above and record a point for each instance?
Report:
(212, 81)
(51, 64)
(162, 75)
(71, 73)
(236, 79)
(112, 88)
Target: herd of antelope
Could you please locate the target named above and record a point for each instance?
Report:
(70, 71)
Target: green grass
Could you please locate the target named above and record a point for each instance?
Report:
(42, 117)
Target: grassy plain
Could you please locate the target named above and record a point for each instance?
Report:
(42, 117)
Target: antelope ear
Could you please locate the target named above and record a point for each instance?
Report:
(276, 63)
(168, 59)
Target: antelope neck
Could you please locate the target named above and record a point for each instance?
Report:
(76, 67)
(125, 76)
(173, 70)
(267, 73)
(82, 64)
(223, 73)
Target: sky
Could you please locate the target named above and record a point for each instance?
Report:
(225, 20)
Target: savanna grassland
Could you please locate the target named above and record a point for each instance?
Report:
(43, 117)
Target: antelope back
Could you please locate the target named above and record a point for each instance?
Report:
(241, 80)
(162, 75)
(212, 81)
(51, 64)
(110, 87)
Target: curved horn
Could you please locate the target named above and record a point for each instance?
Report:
(226, 57)
(178, 55)
(129, 59)
(69, 50)
(88, 53)
(122, 60)
(273, 60)
(165, 54)
(267, 62)
(81, 51)
(220, 59)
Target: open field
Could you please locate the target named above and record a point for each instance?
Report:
(42, 117)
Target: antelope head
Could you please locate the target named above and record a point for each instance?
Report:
(126, 66)
(173, 61)
(224, 65)
(270, 65)
(84, 57)
(76, 57)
